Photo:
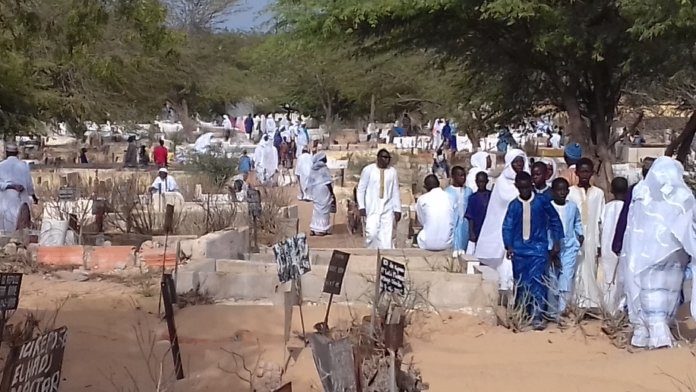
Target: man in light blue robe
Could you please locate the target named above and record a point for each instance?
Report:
(529, 222)
(562, 271)
(459, 194)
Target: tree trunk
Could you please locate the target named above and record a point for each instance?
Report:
(598, 151)
(682, 144)
(189, 125)
(372, 110)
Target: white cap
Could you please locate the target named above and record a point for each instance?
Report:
(163, 170)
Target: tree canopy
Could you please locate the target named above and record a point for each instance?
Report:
(575, 55)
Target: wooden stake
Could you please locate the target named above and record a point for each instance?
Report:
(328, 309)
(377, 295)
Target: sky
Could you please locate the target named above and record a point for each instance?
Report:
(249, 16)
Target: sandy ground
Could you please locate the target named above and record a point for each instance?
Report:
(455, 352)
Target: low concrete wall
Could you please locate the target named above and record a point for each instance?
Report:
(257, 281)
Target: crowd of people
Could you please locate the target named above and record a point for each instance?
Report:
(555, 242)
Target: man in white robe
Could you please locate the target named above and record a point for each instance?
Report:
(379, 201)
(611, 284)
(164, 183)
(590, 201)
(490, 249)
(436, 215)
(265, 161)
(555, 140)
(659, 241)
(302, 139)
(227, 126)
(16, 191)
(302, 171)
(271, 126)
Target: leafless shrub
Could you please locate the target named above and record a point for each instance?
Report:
(268, 224)
(513, 315)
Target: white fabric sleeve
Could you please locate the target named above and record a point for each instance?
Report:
(362, 186)
(396, 196)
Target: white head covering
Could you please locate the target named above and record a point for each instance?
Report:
(479, 163)
(320, 174)
(552, 162)
(163, 170)
(510, 156)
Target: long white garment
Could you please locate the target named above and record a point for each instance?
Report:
(226, 122)
(591, 205)
(611, 284)
(489, 248)
(436, 215)
(302, 170)
(202, 144)
(660, 237)
(13, 171)
(479, 163)
(378, 194)
(555, 140)
(317, 186)
(302, 140)
(271, 126)
(266, 161)
(166, 185)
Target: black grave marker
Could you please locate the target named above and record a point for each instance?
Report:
(37, 363)
(392, 277)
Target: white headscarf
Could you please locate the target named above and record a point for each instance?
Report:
(554, 174)
(320, 174)
(479, 163)
(510, 156)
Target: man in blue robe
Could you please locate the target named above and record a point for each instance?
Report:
(459, 195)
(529, 222)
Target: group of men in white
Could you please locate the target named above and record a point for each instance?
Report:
(630, 254)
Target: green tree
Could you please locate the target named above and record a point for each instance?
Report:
(575, 55)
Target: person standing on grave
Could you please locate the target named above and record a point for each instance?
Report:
(143, 156)
(459, 196)
(227, 126)
(562, 268)
(531, 227)
(476, 210)
(379, 201)
(611, 284)
(131, 157)
(489, 248)
(590, 201)
(83, 156)
(249, 125)
(320, 188)
(16, 192)
(161, 154)
(436, 215)
(164, 182)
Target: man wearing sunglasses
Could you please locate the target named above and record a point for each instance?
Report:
(379, 201)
